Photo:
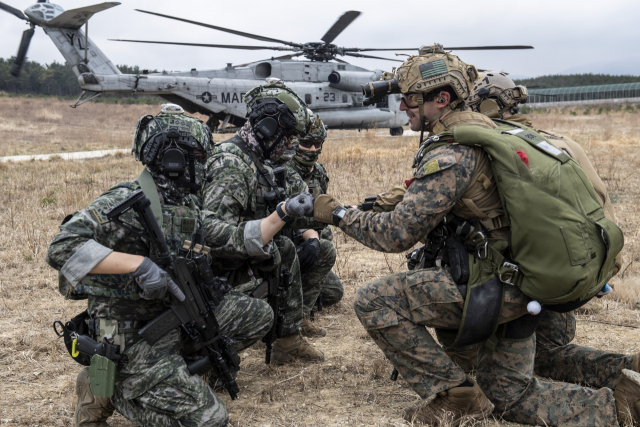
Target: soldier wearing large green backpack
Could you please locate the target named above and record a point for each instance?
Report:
(497, 97)
(504, 213)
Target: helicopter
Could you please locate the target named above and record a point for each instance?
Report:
(329, 85)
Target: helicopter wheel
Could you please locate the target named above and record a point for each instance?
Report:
(396, 131)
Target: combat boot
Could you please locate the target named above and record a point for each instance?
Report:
(627, 396)
(91, 411)
(294, 347)
(310, 330)
(451, 407)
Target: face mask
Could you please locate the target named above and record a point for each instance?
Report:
(307, 157)
(271, 150)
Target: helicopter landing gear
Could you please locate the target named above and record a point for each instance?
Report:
(396, 131)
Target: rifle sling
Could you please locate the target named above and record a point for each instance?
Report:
(148, 186)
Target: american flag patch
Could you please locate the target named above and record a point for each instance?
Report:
(434, 68)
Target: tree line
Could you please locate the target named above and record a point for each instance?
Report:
(57, 79)
(572, 80)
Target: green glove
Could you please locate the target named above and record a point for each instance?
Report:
(323, 208)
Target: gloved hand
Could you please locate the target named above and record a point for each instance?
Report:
(154, 281)
(308, 254)
(323, 208)
(299, 206)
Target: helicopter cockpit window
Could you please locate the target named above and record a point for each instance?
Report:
(307, 98)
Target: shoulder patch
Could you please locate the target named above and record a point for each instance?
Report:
(435, 165)
(97, 215)
(241, 197)
(431, 167)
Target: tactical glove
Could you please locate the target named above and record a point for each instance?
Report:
(308, 254)
(323, 209)
(299, 206)
(154, 281)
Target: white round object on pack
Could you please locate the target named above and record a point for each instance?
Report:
(534, 308)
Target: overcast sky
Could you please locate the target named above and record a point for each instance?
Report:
(568, 35)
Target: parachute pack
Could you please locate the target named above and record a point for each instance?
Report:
(562, 243)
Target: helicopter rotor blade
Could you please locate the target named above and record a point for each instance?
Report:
(12, 10)
(359, 55)
(343, 22)
(22, 51)
(226, 30)
(340, 61)
(450, 48)
(277, 58)
(222, 46)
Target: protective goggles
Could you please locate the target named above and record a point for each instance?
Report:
(309, 143)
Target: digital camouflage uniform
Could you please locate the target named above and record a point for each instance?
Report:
(555, 357)
(317, 181)
(153, 385)
(396, 309)
(234, 206)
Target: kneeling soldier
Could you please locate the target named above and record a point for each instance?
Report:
(113, 268)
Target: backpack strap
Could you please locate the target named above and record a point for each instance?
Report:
(148, 186)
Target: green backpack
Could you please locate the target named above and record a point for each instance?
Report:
(563, 245)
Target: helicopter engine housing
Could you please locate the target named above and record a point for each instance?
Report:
(351, 80)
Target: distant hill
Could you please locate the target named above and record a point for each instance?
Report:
(570, 80)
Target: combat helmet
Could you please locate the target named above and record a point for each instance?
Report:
(274, 112)
(167, 143)
(494, 93)
(421, 74)
(317, 131)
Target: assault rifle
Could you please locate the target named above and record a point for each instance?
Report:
(191, 271)
(276, 281)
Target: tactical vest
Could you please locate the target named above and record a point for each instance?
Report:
(257, 206)
(560, 240)
(178, 224)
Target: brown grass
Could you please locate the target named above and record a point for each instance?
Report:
(352, 387)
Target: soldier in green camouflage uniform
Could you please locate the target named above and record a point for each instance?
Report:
(237, 208)
(304, 170)
(395, 310)
(108, 265)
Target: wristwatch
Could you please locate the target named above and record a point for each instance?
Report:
(338, 215)
(286, 218)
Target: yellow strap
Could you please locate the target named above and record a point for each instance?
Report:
(74, 352)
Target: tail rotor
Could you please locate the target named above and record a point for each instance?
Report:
(27, 35)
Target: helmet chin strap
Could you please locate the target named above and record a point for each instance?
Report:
(431, 122)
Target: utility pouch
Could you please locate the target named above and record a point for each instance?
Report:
(102, 374)
(482, 306)
(75, 326)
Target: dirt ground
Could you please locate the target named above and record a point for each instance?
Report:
(352, 386)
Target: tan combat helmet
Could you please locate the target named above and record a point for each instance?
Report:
(494, 94)
(432, 69)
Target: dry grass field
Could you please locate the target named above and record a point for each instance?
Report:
(352, 387)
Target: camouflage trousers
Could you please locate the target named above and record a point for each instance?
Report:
(395, 310)
(316, 280)
(332, 290)
(292, 298)
(556, 358)
(153, 385)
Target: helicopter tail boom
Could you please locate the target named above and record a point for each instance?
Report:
(85, 58)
